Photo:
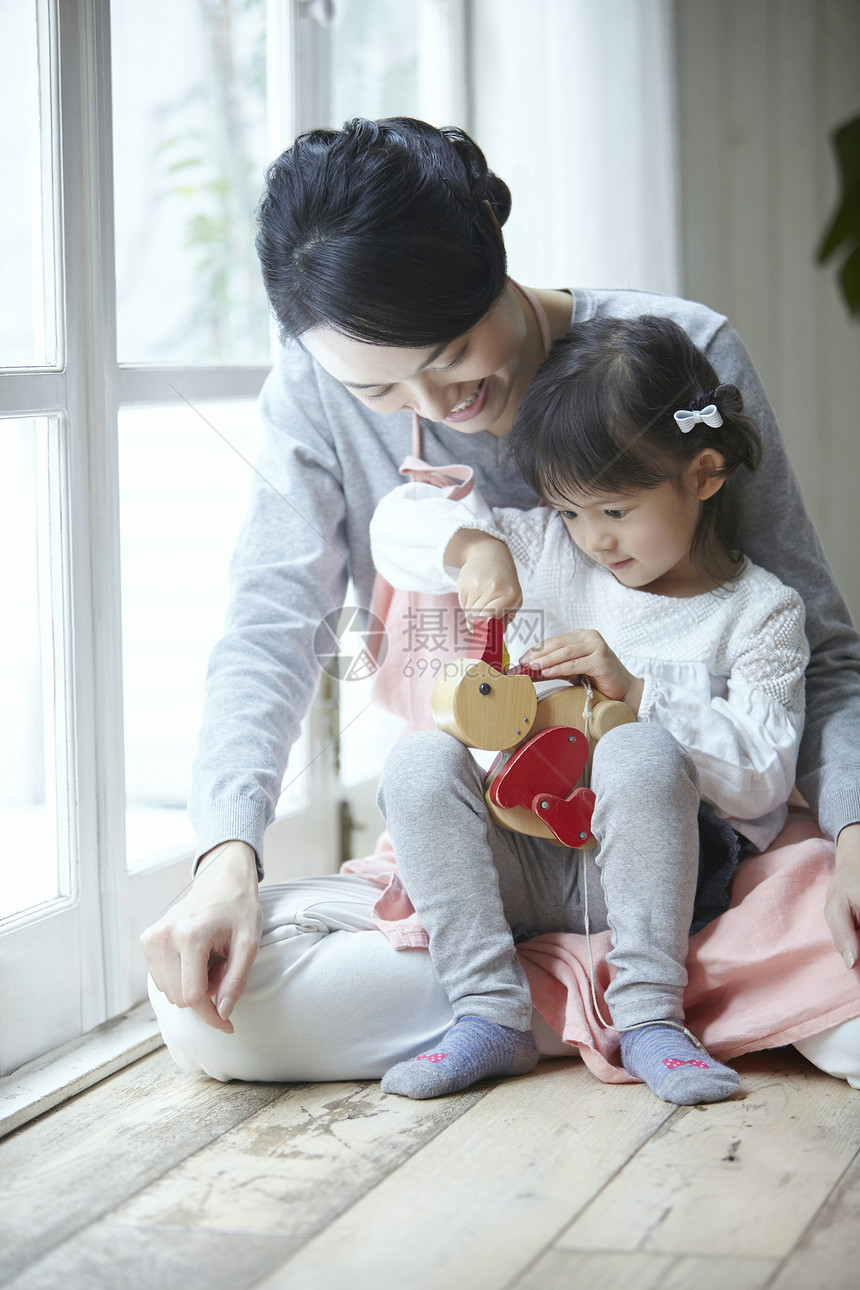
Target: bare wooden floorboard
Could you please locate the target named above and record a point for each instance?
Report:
(66, 1169)
(296, 1165)
(108, 1257)
(481, 1201)
(262, 1187)
(746, 1175)
(828, 1253)
(154, 1179)
(608, 1270)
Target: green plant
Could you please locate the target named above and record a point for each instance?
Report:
(845, 225)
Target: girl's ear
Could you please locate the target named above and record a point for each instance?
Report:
(703, 473)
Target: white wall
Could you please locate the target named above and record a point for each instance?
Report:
(685, 146)
(761, 83)
(573, 103)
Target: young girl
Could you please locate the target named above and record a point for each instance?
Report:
(628, 437)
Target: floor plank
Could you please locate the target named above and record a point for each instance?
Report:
(294, 1166)
(608, 1270)
(746, 1175)
(485, 1197)
(828, 1253)
(548, 1181)
(107, 1257)
(261, 1188)
(66, 1169)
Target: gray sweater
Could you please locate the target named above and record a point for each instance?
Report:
(326, 462)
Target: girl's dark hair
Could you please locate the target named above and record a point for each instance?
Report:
(388, 231)
(598, 419)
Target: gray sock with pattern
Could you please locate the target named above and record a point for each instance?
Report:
(472, 1049)
(674, 1067)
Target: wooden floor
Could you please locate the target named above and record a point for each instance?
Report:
(153, 1180)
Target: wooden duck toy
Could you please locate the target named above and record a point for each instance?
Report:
(539, 789)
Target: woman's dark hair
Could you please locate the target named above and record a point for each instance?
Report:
(598, 419)
(388, 231)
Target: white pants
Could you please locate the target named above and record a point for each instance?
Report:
(329, 999)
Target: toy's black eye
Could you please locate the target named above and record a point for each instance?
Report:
(484, 688)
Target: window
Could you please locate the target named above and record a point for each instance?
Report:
(134, 341)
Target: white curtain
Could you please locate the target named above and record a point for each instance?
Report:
(573, 102)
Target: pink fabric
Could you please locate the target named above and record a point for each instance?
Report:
(763, 974)
(455, 481)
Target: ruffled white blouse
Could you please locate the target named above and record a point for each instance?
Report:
(723, 670)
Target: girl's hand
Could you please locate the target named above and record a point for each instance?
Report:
(585, 653)
(488, 585)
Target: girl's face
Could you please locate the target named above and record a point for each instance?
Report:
(473, 383)
(644, 537)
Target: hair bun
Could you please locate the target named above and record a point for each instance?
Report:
(499, 196)
(482, 184)
(728, 399)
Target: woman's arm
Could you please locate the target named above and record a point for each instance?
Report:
(289, 570)
(777, 533)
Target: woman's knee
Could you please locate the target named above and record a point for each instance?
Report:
(836, 1051)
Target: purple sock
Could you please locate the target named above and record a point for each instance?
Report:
(674, 1067)
(472, 1049)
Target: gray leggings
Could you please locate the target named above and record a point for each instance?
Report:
(477, 888)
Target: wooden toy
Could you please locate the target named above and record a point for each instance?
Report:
(539, 790)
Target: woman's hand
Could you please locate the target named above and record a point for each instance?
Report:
(205, 945)
(842, 905)
(585, 653)
(488, 585)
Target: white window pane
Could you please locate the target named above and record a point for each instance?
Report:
(374, 60)
(28, 808)
(183, 495)
(27, 316)
(190, 147)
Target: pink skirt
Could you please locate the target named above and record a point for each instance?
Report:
(763, 974)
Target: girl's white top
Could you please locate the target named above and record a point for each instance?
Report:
(723, 671)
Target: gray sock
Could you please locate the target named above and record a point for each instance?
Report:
(472, 1049)
(674, 1067)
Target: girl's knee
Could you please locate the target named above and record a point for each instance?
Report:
(425, 764)
(642, 751)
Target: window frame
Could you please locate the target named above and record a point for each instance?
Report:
(76, 960)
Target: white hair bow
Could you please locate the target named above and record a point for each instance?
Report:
(709, 415)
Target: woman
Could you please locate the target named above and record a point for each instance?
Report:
(384, 262)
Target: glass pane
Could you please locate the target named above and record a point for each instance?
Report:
(374, 60)
(183, 495)
(28, 815)
(190, 147)
(27, 318)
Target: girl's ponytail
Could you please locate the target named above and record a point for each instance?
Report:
(737, 439)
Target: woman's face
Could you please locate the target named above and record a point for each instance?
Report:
(473, 383)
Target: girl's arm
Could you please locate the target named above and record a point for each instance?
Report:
(412, 528)
(424, 541)
(744, 744)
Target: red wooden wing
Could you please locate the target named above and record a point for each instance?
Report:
(550, 762)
